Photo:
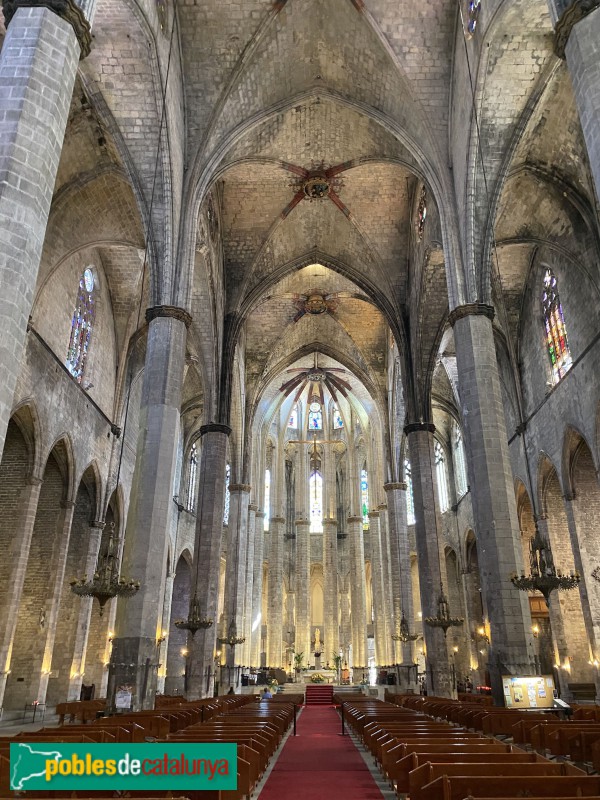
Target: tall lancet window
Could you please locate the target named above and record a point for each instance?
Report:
(315, 417)
(442, 476)
(267, 503)
(82, 325)
(338, 422)
(316, 502)
(293, 420)
(556, 331)
(364, 497)
(192, 475)
(410, 498)
(460, 465)
(227, 495)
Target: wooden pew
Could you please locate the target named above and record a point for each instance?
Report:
(458, 787)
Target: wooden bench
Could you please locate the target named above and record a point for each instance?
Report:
(458, 787)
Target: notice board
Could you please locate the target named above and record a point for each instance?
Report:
(531, 691)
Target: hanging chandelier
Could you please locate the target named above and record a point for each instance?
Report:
(106, 583)
(443, 619)
(195, 621)
(232, 638)
(405, 635)
(544, 577)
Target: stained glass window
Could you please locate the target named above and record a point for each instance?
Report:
(315, 417)
(81, 326)
(293, 420)
(460, 466)
(192, 474)
(442, 476)
(338, 422)
(364, 497)
(316, 503)
(227, 495)
(473, 9)
(410, 500)
(267, 503)
(556, 331)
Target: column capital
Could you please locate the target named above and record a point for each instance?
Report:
(383, 506)
(278, 520)
(169, 311)
(240, 487)
(567, 21)
(355, 519)
(330, 521)
(98, 524)
(302, 522)
(415, 427)
(392, 487)
(253, 508)
(373, 514)
(215, 427)
(65, 9)
(569, 496)
(261, 514)
(470, 310)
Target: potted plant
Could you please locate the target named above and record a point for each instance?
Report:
(337, 663)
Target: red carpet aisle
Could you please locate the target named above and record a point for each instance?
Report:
(319, 764)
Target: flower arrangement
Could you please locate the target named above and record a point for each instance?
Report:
(317, 678)
(272, 681)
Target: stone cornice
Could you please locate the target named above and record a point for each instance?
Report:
(419, 427)
(65, 9)
(470, 310)
(569, 18)
(239, 487)
(392, 487)
(215, 427)
(169, 311)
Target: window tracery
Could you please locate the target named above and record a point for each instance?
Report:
(227, 495)
(293, 420)
(442, 476)
(364, 496)
(338, 422)
(410, 500)
(82, 325)
(473, 10)
(460, 466)
(422, 213)
(192, 474)
(315, 417)
(556, 331)
(267, 501)
(316, 503)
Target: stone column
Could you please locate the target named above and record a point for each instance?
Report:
(38, 64)
(380, 601)
(331, 624)
(19, 556)
(257, 588)
(249, 586)
(235, 570)
(207, 555)
(577, 37)
(431, 564)
(275, 602)
(86, 608)
(494, 506)
(402, 595)
(591, 620)
(163, 639)
(134, 659)
(59, 559)
(386, 581)
(358, 600)
(303, 587)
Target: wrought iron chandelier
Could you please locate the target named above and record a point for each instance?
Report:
(106, 583)
(544, 577)
(195, 621)
(443, 619)
(232, 639)
(405, 635)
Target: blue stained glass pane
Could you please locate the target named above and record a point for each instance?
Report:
(81, 326)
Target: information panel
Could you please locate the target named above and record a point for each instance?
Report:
(532, 691)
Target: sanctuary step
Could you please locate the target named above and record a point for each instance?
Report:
(319, 694)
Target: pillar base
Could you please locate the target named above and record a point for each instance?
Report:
(133, 668)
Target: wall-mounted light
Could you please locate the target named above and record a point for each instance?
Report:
(535, 629)
(160, 639)
(184, 651)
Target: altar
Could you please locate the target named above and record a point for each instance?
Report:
(330, 676)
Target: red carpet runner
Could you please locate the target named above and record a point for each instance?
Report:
(319, 764)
